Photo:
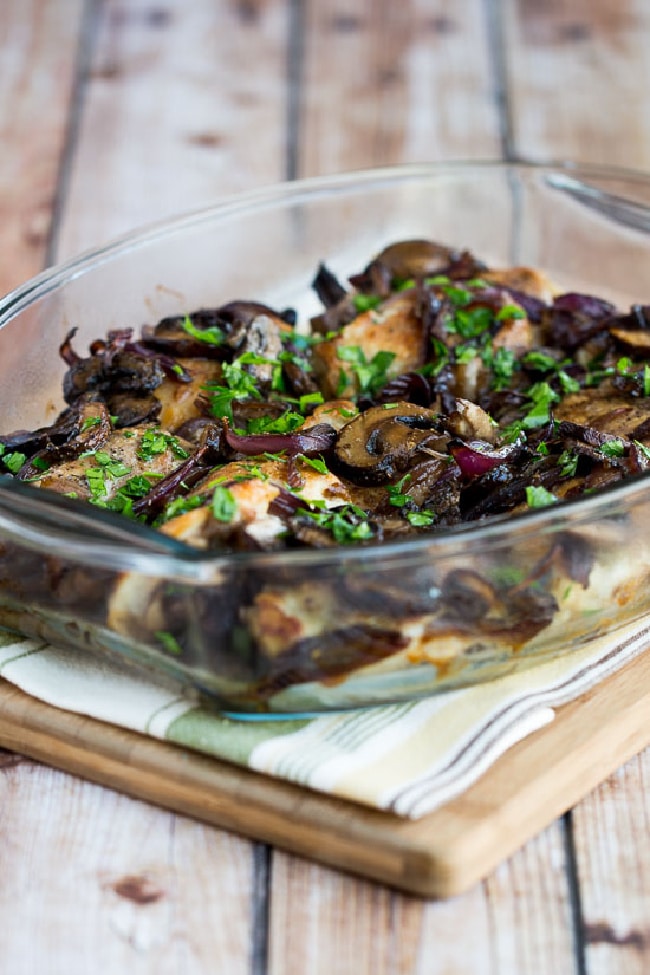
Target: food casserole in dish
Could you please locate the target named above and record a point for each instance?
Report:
(426, 599)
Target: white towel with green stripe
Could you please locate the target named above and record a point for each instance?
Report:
(408, 758)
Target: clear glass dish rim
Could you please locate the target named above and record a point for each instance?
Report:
(506, 529)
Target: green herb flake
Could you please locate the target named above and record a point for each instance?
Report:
(316, 463)
(285, 423)
(503, 367)
(96, 480)
(224, 505)
(465, 354)
(567, 383)
(612, 448)
(364, 303)
(420, 519)
(646, 380)
(567, 463)
(179, 506)
(624, 366)
(539, 497)
(459, 297)
(509, 312)
(542, 397)
(169, 642)
(156, 442)
(14, 461)
(470, 323)
(371, 375)
(211, 336)
(90, 421)
(396, 495)
(346, 524)
(404, 285)
(540, 361)
(643, 448)
(310, 399)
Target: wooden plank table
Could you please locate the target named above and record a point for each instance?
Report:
(116, 112)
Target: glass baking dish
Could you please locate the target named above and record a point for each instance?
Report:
(314, 630)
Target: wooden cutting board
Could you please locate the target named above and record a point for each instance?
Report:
(439, 855)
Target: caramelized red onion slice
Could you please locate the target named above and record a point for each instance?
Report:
(478, 457)
(317, 440)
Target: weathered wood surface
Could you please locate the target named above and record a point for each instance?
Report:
(39, 42)
(112, 113)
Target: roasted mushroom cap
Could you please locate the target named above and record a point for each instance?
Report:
(379, 444)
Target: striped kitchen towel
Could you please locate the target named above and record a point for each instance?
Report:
(406, 758)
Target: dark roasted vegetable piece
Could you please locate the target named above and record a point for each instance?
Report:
(379, 444)
(328, 287)
(316, 440)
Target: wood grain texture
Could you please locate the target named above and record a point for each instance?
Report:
(578, 75)
(184, 103)
(611, 837)
(388, 83)
(106, 884)
(39, 41)
(439, 855)
(518, 920)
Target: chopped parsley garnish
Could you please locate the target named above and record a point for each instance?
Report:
(509, 312)
(643, 448)
(567, 463)
(112, 468)
(464, 354)
(612, 448)
(14, 461)
(396, 495)
(211, 336)
(366, 302)
(169, 642)
(567, 383)
(540, 361)
(122, 501)
(285, 423)
(470, 322)
(90, 421)
(541, 396)
(503, 364)
(156, 442)
(239, 385)
(371, 376)
(316, 463)
(310, 399)
(224, 505)
(404, 284)
(420, 519)
(539, 497)
(346, 524)
(624, 366)
(459, 297)
(179, 506)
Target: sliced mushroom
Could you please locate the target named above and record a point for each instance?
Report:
(379, 444)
